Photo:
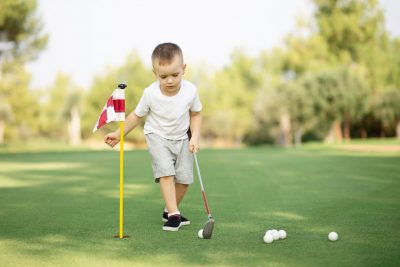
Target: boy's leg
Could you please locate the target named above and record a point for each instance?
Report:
(183, 167)
(167, 187)
(180, 191)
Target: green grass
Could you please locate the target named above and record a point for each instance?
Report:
(61, 209)
(384, 142)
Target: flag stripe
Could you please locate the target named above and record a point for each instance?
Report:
(102, 119)
(119, 105)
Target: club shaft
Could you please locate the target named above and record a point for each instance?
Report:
(203, 192)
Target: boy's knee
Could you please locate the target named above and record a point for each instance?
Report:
(182, 185)
(166, 178)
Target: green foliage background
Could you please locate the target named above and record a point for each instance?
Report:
(336, 75)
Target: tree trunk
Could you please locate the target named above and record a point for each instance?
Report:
(364, 133)
(297, 137)
(398, 129)
(346, 127)
(285, 138)
(2, 126)
(335, 133)
(75, 127)
(383, 135)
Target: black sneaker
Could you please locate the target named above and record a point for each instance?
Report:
(184, 221)
(173, 223)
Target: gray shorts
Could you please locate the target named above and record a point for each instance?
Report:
(170, 158)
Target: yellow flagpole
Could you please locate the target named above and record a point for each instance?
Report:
(121, 180)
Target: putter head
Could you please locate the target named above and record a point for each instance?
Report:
(208, 229)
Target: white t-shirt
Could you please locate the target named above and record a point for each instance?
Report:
(168, 116)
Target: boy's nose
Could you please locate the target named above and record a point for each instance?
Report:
(170, 80)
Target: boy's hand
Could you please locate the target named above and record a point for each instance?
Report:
(194, 144)
(112, 139)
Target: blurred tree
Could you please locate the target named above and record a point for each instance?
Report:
(18, 103)
(393, 79)
(61, 110)
(5, 115)
(228, 114)
(20, 31)
(52, 121)
(314, 103)
(344, 34)
(20, 41)
(298, 98)
(305, 54)
(387, 109)
(340, 97)
(349, 25)
(355, 33)
(266, 114)
(71, 112)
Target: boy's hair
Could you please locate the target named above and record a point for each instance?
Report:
(165, 52)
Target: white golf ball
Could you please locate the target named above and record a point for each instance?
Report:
(333, 236)
(275, 234)
(268, 232)
(268, 238)
(200, 233)
(282, 234)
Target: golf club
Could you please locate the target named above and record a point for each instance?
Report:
(209, 226)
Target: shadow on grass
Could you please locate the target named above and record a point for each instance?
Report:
(63, 207)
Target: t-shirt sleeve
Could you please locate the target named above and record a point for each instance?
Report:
(142, 107)
(196, 104)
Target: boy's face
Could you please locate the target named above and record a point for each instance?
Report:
(169, 74)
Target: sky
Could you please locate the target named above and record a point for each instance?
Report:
(85, 37)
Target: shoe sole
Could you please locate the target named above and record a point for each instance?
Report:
(182, 223)
(172, 229)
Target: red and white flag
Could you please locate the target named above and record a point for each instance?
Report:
(114, 109)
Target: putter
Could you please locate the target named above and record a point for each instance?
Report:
(209, 226)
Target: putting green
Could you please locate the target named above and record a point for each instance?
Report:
(61, 209)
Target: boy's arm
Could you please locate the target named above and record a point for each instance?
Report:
(195, 126)
(131, 122)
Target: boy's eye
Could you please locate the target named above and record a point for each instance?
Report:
(163, 77)
(175, 74)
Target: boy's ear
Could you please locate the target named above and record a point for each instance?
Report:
(184, 68)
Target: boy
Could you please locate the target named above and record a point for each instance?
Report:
(172, 105)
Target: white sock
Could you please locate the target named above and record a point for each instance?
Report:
(165, 210)
(174, 213)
